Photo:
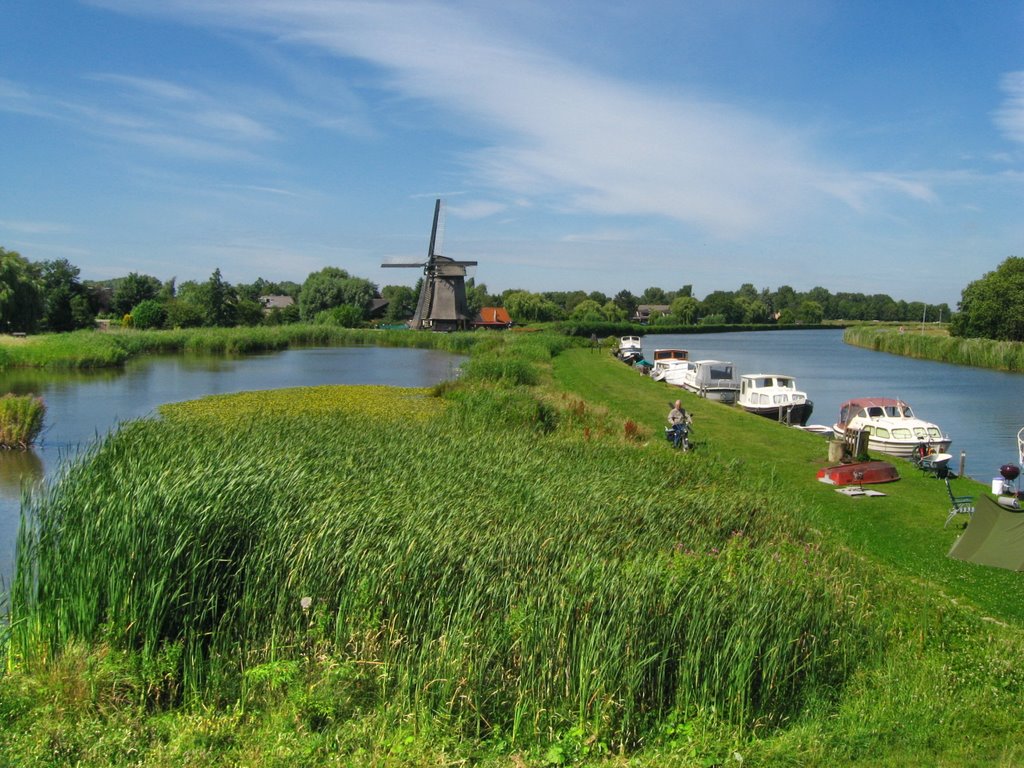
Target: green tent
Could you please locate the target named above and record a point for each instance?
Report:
(994, 536)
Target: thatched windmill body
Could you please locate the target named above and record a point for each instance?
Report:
(442, 302)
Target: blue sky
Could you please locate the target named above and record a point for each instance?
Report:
(860, 146)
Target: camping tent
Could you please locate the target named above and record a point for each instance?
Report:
(994, 536)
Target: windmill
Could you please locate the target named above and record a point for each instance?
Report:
(442, 303)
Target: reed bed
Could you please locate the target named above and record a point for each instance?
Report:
(21, 420)
(981, 353)
(497, 574)
(95, 349)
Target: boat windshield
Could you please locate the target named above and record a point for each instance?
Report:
(876, 412)
(718, 372)
(786, 383)
(907, 413)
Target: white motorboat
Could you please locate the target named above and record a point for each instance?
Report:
(671, 371)
(775, 397)
(891, 425)
(713, 379)
(630, 349)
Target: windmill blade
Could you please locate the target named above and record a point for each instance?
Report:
(433, 230)
(419, 264)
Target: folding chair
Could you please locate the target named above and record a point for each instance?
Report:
(962, 505)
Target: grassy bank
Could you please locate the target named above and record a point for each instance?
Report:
(936, 344)
(512, 570)
(95, 349)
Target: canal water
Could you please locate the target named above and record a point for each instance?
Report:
(81, 407)
(981, 410)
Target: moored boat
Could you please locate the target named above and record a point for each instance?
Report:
(891, 425)
(775, 397)
(713, 379)
(629, 349)
(670, 354)
(670, 370)
(859, 473)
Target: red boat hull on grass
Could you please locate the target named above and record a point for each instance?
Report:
(859, 473)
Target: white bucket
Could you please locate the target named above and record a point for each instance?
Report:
(997, 485)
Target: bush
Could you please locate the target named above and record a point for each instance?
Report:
(149, 314)
(344, 316)
(21, 420)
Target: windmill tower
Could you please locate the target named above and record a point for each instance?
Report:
(442, 302)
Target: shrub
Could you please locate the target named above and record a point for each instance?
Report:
(149, 314)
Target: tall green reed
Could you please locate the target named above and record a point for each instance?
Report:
(21, 420)
(505, 576)
(982, 353)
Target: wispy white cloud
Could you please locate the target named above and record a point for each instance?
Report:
(553, 131)
(1009, 118)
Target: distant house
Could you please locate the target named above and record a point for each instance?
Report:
(275, 302)
(492, 317)
(378, 307)
(647, 312)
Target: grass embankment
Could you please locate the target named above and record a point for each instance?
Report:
(520, 572)
(935, 343)
(95, 349)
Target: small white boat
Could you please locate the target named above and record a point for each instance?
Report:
(671, 371)
(891, 425)
(630, 349)
(713, 379)
(775, 397)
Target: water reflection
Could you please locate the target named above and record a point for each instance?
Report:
(18, 467)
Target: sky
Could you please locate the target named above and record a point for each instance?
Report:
(860, 146)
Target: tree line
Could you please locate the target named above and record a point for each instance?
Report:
(51, 296)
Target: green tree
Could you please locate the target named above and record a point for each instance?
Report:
(61, 287)
(149, 313)
(401, 302)
(654, 295)
(614, 313)
(344, 315)
(21, 295)
(627, 302)
(476, 296)
(182, 313)
(588, 309)
(722, 304)
(684, 309)
(993, 306)
(248, 312)
(129, 291)
(220, 303)
(331, 287)
(524, 306)
(810, 312)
